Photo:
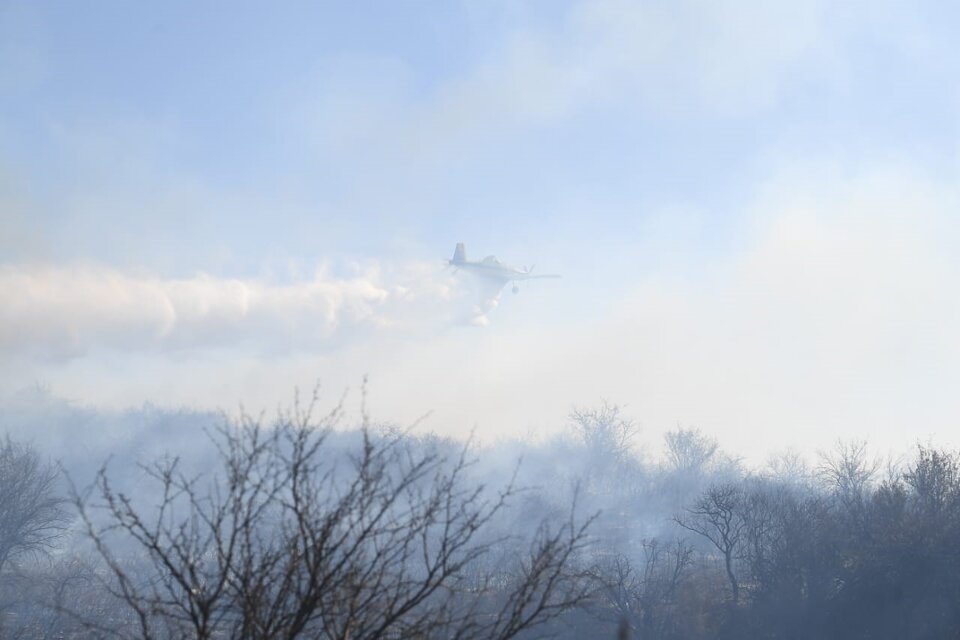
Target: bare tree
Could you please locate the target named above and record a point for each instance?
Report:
(765, 510)
(32, 520)
(643, 597)
(849, 473)
(848, 470)
(291, 540)
(689, 450)
(605, 431)
(718, 517)
(935, 480)
(788, 467)
(32, 517)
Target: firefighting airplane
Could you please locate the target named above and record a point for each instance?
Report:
(492, 272)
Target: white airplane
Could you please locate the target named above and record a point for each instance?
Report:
(493, 272)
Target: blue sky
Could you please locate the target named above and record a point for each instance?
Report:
(752, 204)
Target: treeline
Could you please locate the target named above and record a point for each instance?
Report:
(303, 528)
(855, 554)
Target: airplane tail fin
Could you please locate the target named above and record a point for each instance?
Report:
(459, 254)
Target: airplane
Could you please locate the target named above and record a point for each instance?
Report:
(495, 273)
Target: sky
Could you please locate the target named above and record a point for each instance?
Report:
(753, 206)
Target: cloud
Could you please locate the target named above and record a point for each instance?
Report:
(60, 312)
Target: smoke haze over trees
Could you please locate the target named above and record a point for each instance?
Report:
(732, 415)
(303, 526)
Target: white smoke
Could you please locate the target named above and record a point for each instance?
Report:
(60, 312)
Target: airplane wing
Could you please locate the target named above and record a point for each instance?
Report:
(529, 276)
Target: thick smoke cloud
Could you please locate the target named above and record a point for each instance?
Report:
(60, 313)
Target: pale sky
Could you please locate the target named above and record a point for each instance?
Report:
(753, 206)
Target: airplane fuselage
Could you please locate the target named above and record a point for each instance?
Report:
(492, 268)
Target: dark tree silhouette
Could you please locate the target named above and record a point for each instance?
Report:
(643, 598)
(717, 515)
(290, 540)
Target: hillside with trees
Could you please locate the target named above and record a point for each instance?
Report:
(306, 527)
